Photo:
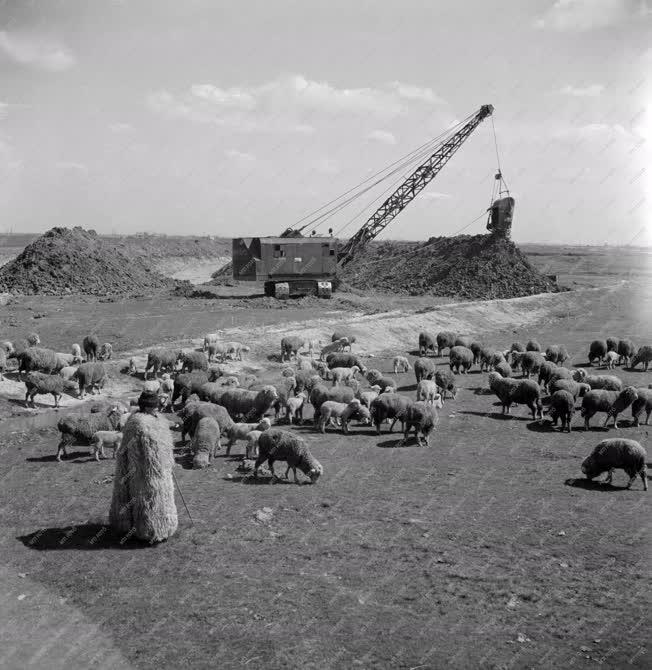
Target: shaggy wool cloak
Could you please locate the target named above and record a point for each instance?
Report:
(143, 488)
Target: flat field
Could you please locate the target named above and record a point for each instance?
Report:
(486, 550)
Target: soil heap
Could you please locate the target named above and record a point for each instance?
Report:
(65, 261)
(478, 267)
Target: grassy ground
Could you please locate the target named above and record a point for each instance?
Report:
(486, 550)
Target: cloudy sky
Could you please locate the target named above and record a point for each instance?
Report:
(237, 118)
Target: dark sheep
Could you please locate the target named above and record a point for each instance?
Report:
(320, 394)
(248, 404)
(503, 368)
(476, 348)
(90, 376)
(562, 406)
(422, 417)
(91, 346)
(576, 389)
(193, 360)
(532, 345)
(188, 383)
(460, 359)
(37, 359)
(389, 406)
(445, 381)
(517, 392)
(625, 351)
(282, 445)
(597, 349)
(339, 334)
(463, 341)
(194, 411)
(161, 359)
(643, 402)
(424, 368)
(426, 343)
(517, 346)
(610, 455)
(546, 371)
(81, 429)
(644, 356)
(291, 345)
(557, 353)
(38, 383)
(445, 340)
(530, 362)
(610, 402)
(342, 360)
(612, 344)
(385, 383)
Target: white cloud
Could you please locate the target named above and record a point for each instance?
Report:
(382, 136)
(585, 15)
(241, 156)
(422, 94)
(592, 91)
(225, 98)
(36, 52)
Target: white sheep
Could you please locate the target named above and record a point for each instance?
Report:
(401, 364)
(252, 437)
(235, 349)
(153, 385)
(428, 391)
(611, 358)
(239, 431)
(106, 438)
(210, 338)
(132, 366)
(366, 397)
(341, 375)
(67, 372)
(294, 407)
(331, 410)
(75, 350)
(167, 383)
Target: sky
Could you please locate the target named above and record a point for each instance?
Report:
(206, 117)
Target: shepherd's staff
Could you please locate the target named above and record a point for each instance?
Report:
(182, 498)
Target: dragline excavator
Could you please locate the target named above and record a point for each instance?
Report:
(293, 264)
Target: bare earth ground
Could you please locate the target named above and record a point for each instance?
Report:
(486, 550)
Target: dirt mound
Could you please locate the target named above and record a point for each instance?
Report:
(478, 267)
(65, 261)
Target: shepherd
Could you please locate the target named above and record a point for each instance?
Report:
(143, 488)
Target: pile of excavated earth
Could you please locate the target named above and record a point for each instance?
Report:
(477, 267)
(77, 261)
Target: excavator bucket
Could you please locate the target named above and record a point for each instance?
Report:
(501, 214)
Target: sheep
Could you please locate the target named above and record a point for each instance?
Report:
(612, 344)
(426, 343)
(343, 360)
(389, 406)
(445, 340)
(557, 353)
(251, 450)
(518, 347)
(304, 363)
(460, 358)
(330, 410)
(463, 341)
(63, 361)
(7, 347)
(252, 405)
(386, 383)
(216, 351)
(167, 383)
(503, 368)
(38, 383)
(33, 340)
(610, 359)
(153, 385)
(37, 359)
(576, 389)
(205, 442)
(643, 355)
(3, 363)
(625, 351)
(209, 339)
(194, 411)
(445, 381)
(476, 348)
(423, 418)
(294, 407)
(232, 380)
(643, 402)
(165, 402)
(91, 345)
(530, 362)
(562, 406)
(401, 364)
(287, 372)
(90, 375)
(610, 402)
(82, 429)
(597, 349)
(239, 431)
(291, 345)
(606, 382)
(285, 390)
(424, 368)
(193, 360)
(281, 445)
(161, 359)
(546, 371)
(305, 379)
(366, 397)
(519, 392)
(373, 374)
(612, 454)
(428, 391)
(314, 345)
(106, 438)
(236, 349)
(333, 347)
(340, 335)
(533, 345)
(340, 375)
(105, 352)
(75, 350)
(320, 394)
(186, 384)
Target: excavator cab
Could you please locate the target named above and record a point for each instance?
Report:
(501, 214)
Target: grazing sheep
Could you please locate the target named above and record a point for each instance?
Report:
(546, 371)
(340, 375)
(290, 346)
(373, 374)
(75, 350)
(33, 340)
(613, 454)
(386, 383)
(428, 391)
(643, 355)
(607, 382)
(389, 406)
(612, 344)
(105, 352)
(235, 350)
(562, 406)
(533, 345)
(557, 353)
(210, 338)
(332, 348)
(251, 405)
(82, 429)
(90, 376)
(366, 397)
(306, 379)
(530, 362)
(331, 410)
(643, 402)
(294, 407)
(161, 359)
(518, 347)
(496, 358)
(518, 392)
(401, 364)
(597, 349)
(610, 402)
(503, 368)
(460, 358)
(216, 351)
(610, 359)
(476, 348)
(445, 340)
(342, 360)
(63, 361)
(91, 346)
(463, 341)
(576, 389)
(205, 443)
(625, 351)
(423, 418)
(194, 411)
(281, 445)
(193, 360)
(320, 394)
(38, 383)
(426, 343)
(37, 359)
(424, 368)
(186, 384)
(445, 381)
(106, 438)
(340, 335)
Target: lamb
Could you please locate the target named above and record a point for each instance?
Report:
(209, 339)
(463, 341)
(342, 360)
(576, 389)
(612, 344)
(251, 450)
(294, 407)
(423, 418)
(252, 405)
(366, 397)
(333, 347)
(63, 361)
(153, 385)
(285, 390)
(194, 411)
(530, 362)
(90, 376)
(239, 431)
(82, 429)
(287, 372)
(428, 391)
(340, 375)
(401, 364)
(330, 410)
(389, 406)
(167, 383)
(424, 368)
(597, 349)
(186, 384)
(612, 454)
(232, 380)
(75, 350)
(132, 366)
(320, 394)
(38, 383)
(557, 353)
(625, 351)
(106, 438)
(216, 351)
(205, 443)
(193, 360)
(533, 345)
(460, 358)
(91, 345)
(643, 355)
(33, 340)
(161, 359)
(643, 402)
(37, 359)
(426, 343)
(281, 445)
(611, 358)
(445, 340)
(610, 402)
(106, 351)
(291, 345)
(562, 406)
(236, 349)
(445, 381)
(519, 392)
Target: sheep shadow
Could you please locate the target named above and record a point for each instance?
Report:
(544, 426)
(262, 480)
(85, 536)
(72, 457)
(592, 485)
(495, 415)
(391, 444)
(408, 387)
(583, 365)
(37, 405)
